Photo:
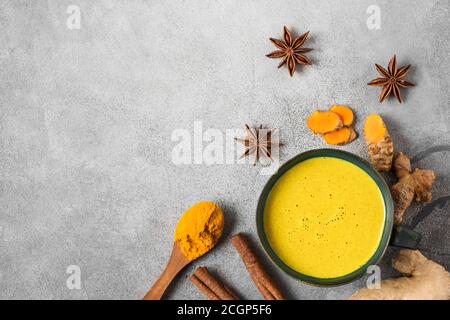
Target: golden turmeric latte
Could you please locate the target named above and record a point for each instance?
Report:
(199, 229)
(325, 217)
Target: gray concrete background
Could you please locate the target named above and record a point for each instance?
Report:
(86, 117)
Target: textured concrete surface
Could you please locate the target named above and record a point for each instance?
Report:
(86, 118)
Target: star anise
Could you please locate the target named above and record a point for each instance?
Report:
(290, 50)
(257, 142)
(391, 79)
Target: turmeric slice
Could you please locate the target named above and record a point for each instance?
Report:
(323, 121)
(344, 112)
(335, 124)
(341, 136)
(379, 143)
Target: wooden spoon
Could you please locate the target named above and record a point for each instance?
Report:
(195, 221)
(176, 263)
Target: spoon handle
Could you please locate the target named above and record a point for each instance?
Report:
(176, 263)
(160, 286)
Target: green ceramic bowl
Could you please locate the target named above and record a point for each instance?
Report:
(388, 224)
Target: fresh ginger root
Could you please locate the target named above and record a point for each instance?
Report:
(379, 143)
(341, 136)
(411, 184)
(335, 124)
(323, 121)
(424, 280)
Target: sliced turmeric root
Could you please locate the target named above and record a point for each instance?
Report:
(345, 113)
(379, 143)
(374, 129)
(323, 122)
(342, 136)
(335, 124)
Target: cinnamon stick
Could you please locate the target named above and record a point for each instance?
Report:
(257, 272)
(210, 286)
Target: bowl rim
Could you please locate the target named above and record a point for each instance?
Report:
(388, 212)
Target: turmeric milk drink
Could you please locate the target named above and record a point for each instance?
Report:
(324, 217)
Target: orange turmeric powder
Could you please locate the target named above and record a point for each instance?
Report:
(199, 229)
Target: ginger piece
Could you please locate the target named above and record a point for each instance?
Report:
(379, 143)
(411, 184)
(346, 114)
(341, 136)
(424, 280)
(323, 121)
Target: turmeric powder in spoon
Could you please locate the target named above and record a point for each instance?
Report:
(199, 229)
(197, 232)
